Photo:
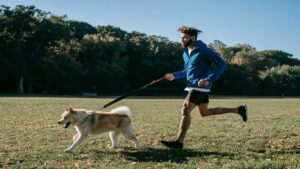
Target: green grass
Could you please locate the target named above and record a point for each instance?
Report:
(31, 138)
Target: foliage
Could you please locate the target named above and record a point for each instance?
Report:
(44, 53)
(284, 80)
(27, 32)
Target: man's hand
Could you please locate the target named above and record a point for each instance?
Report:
(169, 76)
(203, 83)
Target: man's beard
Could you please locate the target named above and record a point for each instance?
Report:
(188, 43)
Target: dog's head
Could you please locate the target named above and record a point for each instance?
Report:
(68, 117)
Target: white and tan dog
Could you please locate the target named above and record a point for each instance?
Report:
(118, 122)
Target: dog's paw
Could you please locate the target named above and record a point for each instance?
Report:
(111, 146)
(68, 150)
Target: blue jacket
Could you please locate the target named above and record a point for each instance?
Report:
(198, 65)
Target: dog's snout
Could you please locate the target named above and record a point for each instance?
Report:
(58, 122)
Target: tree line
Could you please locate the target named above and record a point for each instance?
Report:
(44, 53)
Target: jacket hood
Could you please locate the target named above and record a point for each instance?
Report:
(200, 44)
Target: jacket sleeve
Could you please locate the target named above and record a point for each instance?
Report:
(220, 65)
(180, 74)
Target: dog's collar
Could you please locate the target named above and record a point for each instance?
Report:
(84, 119)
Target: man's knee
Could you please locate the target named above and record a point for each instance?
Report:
(186, 110)
(203, 112)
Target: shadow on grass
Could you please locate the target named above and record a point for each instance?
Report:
(286, 151)
(170, 155)
(276, 150)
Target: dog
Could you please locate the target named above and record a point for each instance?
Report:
(117, 122)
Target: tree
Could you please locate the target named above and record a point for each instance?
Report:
(234, 81)
(79, 29)
(152, 57)
(221, 49)
(29, 32)
(281, 80)
(104, 62)
(61, 72)
(112, 31)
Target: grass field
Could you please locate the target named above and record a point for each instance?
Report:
(31, 138)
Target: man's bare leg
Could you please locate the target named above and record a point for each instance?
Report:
(204, 111)
(185, 119)
(184, 126)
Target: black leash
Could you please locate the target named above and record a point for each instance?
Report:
(132, 92)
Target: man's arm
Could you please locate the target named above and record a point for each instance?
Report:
(175, 75)
(220, 65)
(180, 74)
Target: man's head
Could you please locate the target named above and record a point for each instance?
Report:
(188, 36)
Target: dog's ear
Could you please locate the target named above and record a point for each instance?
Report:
(71, 110)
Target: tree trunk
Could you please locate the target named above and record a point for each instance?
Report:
(21, 85)
(20, 59)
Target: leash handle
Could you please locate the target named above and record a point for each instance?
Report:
(158, 80)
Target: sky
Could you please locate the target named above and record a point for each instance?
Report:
(263, 24)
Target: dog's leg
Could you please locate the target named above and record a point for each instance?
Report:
(76, 143)
(129, 134)
(75, 137)
(114, 137)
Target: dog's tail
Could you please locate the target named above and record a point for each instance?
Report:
(123, 110)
